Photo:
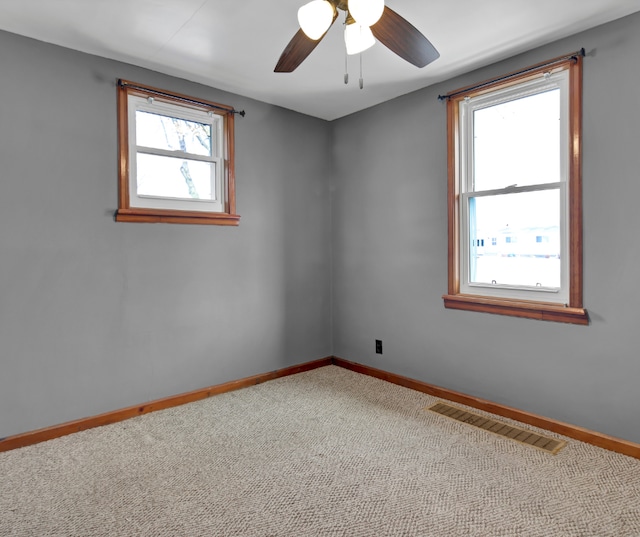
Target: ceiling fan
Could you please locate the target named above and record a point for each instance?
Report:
(364, 21)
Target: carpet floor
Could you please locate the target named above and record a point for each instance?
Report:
(329, 452)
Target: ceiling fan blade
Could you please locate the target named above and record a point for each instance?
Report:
(298, 49)
(403, 38)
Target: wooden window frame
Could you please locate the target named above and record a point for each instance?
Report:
(573, 312)
(127, 213)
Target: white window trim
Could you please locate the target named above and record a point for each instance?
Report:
(142, 104)
(558, 80)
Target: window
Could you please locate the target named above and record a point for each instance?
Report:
(514, 175)
(176, 158)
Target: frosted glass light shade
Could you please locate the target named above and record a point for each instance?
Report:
(366, 12)
(315, 18)
(358, 38)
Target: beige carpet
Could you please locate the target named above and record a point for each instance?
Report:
(329, 452)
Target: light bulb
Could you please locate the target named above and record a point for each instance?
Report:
(315, 18)
(366, 12)
(358, 38)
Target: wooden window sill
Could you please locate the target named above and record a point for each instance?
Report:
(154, 216)
(543, 311)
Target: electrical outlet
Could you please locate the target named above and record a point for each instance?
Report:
(378, 346)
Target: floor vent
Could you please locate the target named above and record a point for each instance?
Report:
(550, 445)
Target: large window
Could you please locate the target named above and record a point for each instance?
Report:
(176, 158)
(515, 218)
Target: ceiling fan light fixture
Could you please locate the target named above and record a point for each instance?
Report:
(392, 30)
(358, 38)
(315, 18)
(366, 12)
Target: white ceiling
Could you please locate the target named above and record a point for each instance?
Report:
(234, 44)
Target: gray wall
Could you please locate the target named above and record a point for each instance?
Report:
(97, 315)
(390, 252)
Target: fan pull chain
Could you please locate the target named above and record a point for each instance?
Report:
(346, 56)
(361, 79)
(346, 70)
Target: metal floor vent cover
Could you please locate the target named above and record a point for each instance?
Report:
(545, 443)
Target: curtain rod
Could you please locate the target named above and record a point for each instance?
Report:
(573, 56)
(123, 83)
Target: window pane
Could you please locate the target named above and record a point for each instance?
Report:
(172, 134)
(167, 177)
(517, 142)
(515, 239)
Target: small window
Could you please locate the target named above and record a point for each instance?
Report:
(514, 149)
(176, 158)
